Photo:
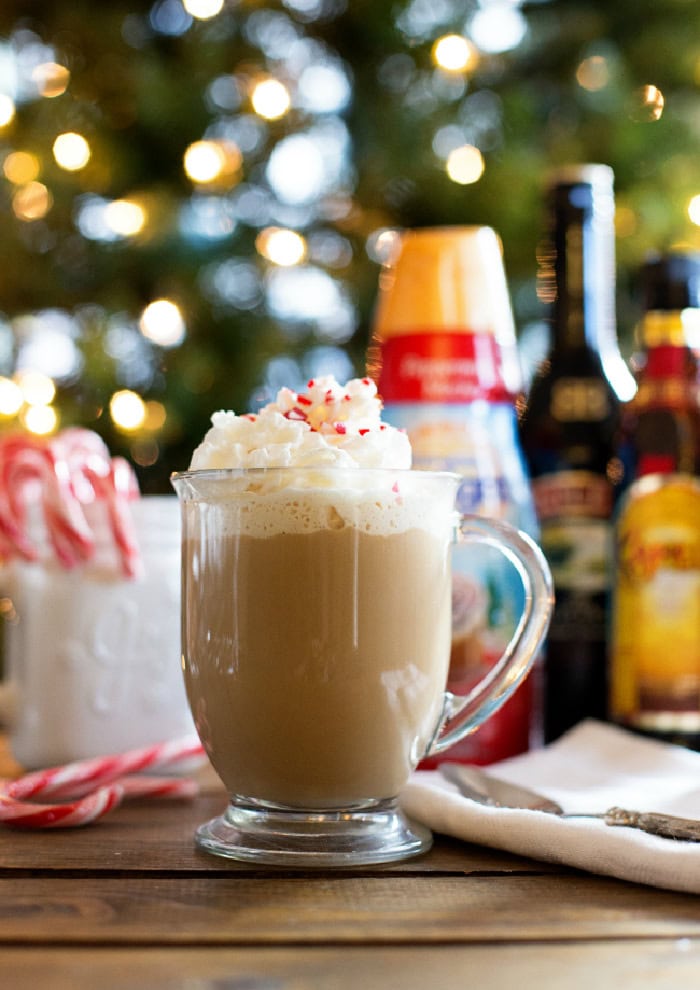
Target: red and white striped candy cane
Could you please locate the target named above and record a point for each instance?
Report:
(82, 776)
(23, 814)
(95, 786)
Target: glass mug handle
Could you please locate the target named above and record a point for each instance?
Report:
(462, 715)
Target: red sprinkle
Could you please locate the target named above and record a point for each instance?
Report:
(366, 381)
(382, 426)
(328, 398)
(340, 428)
(395, 487)
(305, 400)
(296, 413)
(363, 431)
(250, 416)
(347, 398)
(310, 383)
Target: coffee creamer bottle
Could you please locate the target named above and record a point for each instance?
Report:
(444, 356)
(655, 618)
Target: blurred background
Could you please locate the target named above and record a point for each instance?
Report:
(192, 192)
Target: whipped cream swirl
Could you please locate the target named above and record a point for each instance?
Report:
(327, 425)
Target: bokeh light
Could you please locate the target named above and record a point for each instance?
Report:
(71, 151)
(203, 10)
(281, 246)
(206, 162)
(694, 210)
(162, 323)
(454, 53)
(125, 217)
(32, 202)
(37, 389)
(128, 410)
(7, 110)
(465, 165)
(51, 79)
(11, 398)
(270, 99)
(593, 73)
(647, 104)
(20, 167)
(41, 420)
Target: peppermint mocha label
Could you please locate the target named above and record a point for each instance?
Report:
(443, 367)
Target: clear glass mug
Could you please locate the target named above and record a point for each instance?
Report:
(316, 627)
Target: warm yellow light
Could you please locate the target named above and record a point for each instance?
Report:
(7, 110)
(37, 388)
(653, 102)
(281, 246)
(32, 202)
(203, 9)
(125, 217)
(155, 416)
(71, 151)
(162, 322)
(465, 165)
(454, 53)
(211, 161)
(11, 398)
(593, 73)
(270, 99)
(694, 210)
(41, 420)
(51, 79)
(21, 167)
(127, 409)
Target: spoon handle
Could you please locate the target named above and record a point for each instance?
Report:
(668, 826)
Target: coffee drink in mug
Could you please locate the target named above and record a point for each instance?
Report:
(317, 624)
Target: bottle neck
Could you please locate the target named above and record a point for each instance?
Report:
(584, 269)
(582, 259)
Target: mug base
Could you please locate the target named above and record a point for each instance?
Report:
(292, 838)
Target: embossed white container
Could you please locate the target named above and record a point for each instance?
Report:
(93, 659)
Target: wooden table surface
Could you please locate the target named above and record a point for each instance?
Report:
(130, 902)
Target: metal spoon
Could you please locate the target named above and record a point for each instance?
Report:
(485, 789)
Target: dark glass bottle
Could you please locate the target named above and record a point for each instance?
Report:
(569, 429)
(655, 615)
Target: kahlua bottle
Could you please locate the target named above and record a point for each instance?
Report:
(655, 618)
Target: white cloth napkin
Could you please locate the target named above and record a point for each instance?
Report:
(590, 769)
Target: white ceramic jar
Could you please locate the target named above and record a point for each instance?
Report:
(93, 659)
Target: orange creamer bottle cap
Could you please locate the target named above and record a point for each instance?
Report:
(449, 281)
(445, 278)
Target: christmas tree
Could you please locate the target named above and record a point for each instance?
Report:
(192, 191)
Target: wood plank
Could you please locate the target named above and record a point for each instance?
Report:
(229, 910)
(158, 836)
(655, 965)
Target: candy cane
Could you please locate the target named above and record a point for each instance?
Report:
(30, 471)
(96, 476)
(25, 815)
(75, 779)
(96, 786)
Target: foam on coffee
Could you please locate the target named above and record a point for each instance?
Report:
(298, 509)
